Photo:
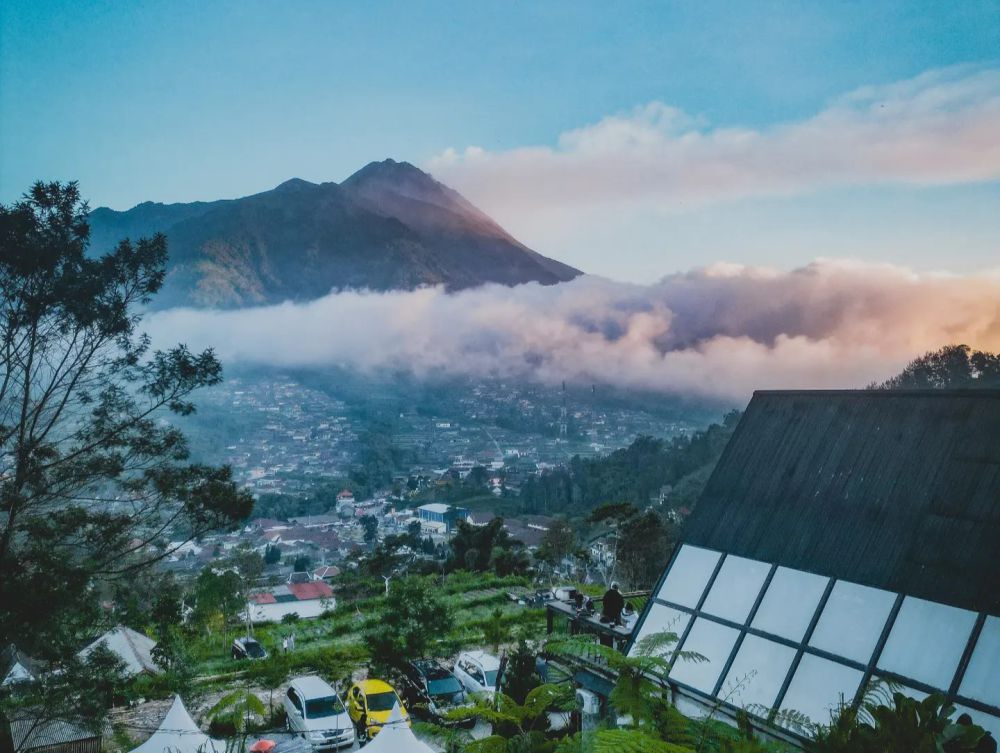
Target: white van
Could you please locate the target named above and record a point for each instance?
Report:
(314, 711)
(477, 671)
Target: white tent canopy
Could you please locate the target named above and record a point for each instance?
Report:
(397, 737)
(179, 734)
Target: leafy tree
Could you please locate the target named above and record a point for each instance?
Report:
(413, 616)
(496, 631)
(90, 476)
(512, 560)
(634, 474)
(953, 366)
(167, 604)
(478, 478)
(472, 548)
(271, 673)
(558, 543)
(520, 676)
(236, 711)
(218, 599)
(302, 564)
(645, 543)
(370, 525)
(172, 653)
(249, 566)
(272, 555)
(890, 722)
(80, 693)
(413, 531)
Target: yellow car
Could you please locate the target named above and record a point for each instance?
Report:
(369, 704)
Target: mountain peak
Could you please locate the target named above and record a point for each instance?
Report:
(294, 184)
(389, 169)
(389, 226)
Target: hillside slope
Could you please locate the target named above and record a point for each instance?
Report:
(390, 226)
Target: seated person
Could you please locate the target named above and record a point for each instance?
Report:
(612, 604)
(629, 616)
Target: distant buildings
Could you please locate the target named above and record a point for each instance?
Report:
(439, 518)
(306, 599)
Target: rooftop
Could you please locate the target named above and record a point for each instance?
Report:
(899, 490)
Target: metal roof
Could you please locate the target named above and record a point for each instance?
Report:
(134, 648)
(894, 489)
(437, 507)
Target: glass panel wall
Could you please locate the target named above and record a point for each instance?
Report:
(689, 575)
(927, 641)
(662, 619)
(736, 588)
(852, 620)
(924, 646)
(714, 642)
(982, 676)
(757, 673)
(790, 602)
(819, 687)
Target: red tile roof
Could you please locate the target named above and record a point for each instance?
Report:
(264, 598)
(314, 590)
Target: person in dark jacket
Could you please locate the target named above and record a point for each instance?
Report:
(612, 605)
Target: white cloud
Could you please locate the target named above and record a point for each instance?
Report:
(720, 331)
(940, 128)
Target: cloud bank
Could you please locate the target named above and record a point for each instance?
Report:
(720, 331)
(939, 128)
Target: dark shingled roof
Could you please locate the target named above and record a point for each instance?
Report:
(898, 490)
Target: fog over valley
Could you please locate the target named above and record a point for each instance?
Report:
(721, 331)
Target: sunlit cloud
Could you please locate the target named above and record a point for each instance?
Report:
(720, 331)
(940, 128)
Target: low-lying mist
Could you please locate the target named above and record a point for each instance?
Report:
(720, 332)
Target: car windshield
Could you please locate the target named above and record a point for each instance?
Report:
(320, 707)
(444, 686)
(382, 701)
(491, 677)
(254, 649)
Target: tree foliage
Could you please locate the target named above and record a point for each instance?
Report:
(890, 722)
(91, 475)
(413, 616)
(633, 474)
(951, 367)
(488, 547)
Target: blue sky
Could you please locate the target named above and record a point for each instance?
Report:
(176, 101)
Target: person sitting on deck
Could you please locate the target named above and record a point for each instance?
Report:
(629, 616)
(612, 604)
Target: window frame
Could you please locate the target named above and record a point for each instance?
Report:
(868, 669)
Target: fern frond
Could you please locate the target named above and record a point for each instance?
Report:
(633, 741)
(491, 744)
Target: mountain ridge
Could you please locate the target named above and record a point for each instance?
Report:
(388, 226)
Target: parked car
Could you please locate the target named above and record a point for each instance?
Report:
(477, 671)
(431, 690)
(369, 704)
(314, 711)
(248, 648)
